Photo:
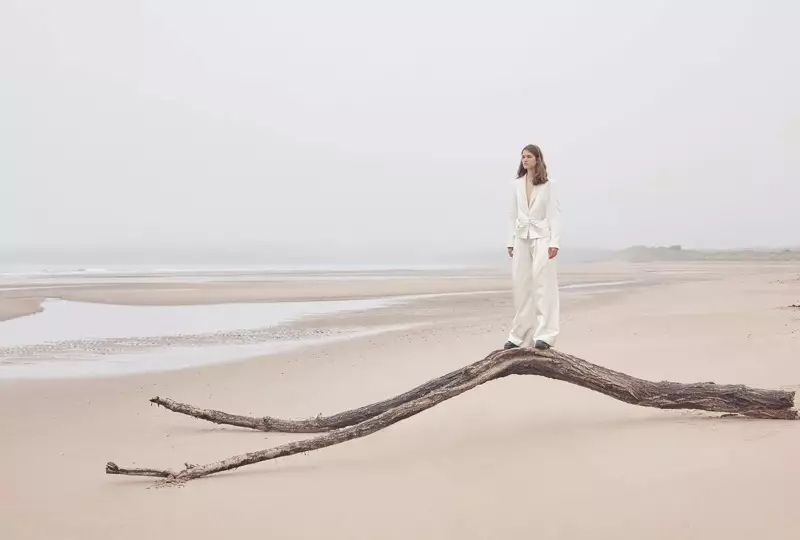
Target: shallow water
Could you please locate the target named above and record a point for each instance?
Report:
(84, 364)
(64, 320)
(81, 339)
(74, 339)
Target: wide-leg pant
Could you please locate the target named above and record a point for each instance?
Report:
(536, 301)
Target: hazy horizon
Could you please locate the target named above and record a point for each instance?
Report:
(132, 258)
(384, 130)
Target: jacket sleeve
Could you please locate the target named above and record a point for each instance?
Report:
(554, 217)
(512, 220)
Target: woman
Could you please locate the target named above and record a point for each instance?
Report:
(533, 243)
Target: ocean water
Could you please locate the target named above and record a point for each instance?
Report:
(9, 271)
(23, 277)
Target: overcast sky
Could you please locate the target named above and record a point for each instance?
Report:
(362, 122)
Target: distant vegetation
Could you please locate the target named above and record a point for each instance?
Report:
(677, 253)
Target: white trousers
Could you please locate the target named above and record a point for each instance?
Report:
(535, 283)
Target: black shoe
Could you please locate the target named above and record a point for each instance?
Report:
(510, 345)
(542, 345)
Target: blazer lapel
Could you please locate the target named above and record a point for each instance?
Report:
(521, 193)
(535, 190)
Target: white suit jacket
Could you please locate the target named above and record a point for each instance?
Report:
(540, 219)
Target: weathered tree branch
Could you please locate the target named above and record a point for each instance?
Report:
(322, 424)
(732, 399)
(362, 429)
(111, 468)
(554, 365)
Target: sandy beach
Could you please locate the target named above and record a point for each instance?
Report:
(521, 457)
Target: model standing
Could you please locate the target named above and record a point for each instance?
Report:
(533, 244)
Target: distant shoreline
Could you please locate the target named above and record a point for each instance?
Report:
(678, 254)
(52, 262)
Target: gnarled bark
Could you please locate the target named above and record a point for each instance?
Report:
(322, 424)
(111, 468)
(349, 425)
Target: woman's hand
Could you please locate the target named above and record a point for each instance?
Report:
(510, 251)
(552, 252)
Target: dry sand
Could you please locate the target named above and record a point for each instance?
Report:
(518, 458)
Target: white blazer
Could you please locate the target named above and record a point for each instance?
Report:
(540, 219)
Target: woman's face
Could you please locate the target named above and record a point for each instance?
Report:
(528, 160)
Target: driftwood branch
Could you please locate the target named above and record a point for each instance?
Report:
(732, 399)
(111, 468)
(735, 399)
(322, 424)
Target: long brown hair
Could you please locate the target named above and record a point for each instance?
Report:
(539, 170)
